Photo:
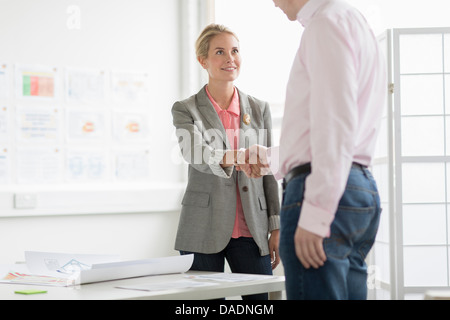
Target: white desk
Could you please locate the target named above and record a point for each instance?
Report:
(107, 290)
(437, 295)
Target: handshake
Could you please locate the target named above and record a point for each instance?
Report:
(252, 161)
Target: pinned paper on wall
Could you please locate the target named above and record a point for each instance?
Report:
(37, 82)
(130, 88)
(38, 124)
(4, 83)
(39, 165)
(132, 165)
(44, 108)
(86, 126)
(5, 172)
(86, 165)
(131, 127)
(85, 85)
(4, 123)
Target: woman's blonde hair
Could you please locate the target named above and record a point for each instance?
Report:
(202, 43)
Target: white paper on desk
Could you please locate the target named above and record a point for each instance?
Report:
(51, 269)
(230, 277)
(137, 268)
(60, 264)
(178, 284)
(95, 268)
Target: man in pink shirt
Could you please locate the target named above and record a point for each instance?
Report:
(334, 102)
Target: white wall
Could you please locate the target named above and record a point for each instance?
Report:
(140, 35)
(132, 235)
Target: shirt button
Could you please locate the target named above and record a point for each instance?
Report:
(245, 188)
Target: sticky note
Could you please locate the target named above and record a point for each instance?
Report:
(30, 291)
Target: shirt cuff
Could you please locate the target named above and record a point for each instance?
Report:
(274, 222)
(315, 220)
(214, 163)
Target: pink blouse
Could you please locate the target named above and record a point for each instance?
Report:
(231, 122)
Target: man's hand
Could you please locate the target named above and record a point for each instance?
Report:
(254, 161)
(309, 248)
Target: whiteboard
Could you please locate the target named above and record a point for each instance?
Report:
(85, 97)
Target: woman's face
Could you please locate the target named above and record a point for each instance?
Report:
(224, 60)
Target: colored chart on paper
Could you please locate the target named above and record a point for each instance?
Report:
(21, 278)
(38, 84)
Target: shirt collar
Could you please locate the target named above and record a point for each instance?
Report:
(308, 10)
(234, 106)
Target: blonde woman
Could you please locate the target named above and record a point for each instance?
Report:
(225, 214)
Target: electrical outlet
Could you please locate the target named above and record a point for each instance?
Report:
(25, 201)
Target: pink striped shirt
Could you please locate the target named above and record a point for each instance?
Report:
(231, 122)
(334, 102)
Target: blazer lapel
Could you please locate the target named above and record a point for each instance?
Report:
(246, 110)
(210, 115)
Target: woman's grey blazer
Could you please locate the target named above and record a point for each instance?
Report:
(209, 203)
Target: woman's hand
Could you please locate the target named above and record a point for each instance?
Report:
(274, 242)
(229, 159)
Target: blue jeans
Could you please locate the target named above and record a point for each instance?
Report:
(353, 231)
(242, 255)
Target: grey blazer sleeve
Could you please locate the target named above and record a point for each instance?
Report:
(269, 182)
(204, 156)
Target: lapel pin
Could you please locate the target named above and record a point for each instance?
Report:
(246, 118)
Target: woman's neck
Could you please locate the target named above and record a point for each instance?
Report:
(222, 93)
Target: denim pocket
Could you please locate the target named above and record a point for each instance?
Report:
(353, 222)
(290, 208)
(358, 199)
(294, 191)
(291, 205)
(347, 230)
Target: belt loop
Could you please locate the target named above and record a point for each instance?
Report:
(366, 172)
(364, 169)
